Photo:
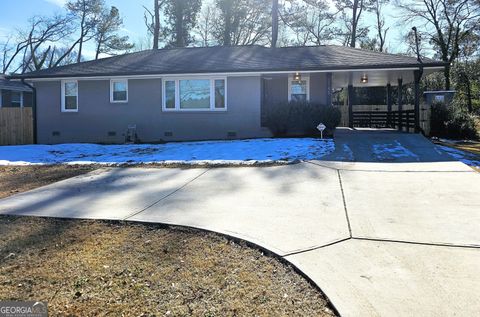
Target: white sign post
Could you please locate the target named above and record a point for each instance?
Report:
(320, 128)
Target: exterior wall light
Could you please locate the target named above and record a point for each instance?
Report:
(364, 79)
(297, 77)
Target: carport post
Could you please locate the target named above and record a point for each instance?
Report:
(351, 97)
(329, 89)
(400, 104)
(389, 105)
(418, 77)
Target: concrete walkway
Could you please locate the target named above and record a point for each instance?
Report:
(393, 237)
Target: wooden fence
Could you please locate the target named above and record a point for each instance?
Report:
(363, 113)
(16, 126)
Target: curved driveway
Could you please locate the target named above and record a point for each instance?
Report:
(385, 226)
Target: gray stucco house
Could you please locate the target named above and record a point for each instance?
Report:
(200, 93)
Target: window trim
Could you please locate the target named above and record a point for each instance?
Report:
(177, 94)
(305, 77)
(63, 95)
(112, 81)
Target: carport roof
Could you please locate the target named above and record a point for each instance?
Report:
(233, 59)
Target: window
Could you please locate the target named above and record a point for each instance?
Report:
(119, 90)
(299, 90)
(194, 94)
(170, 94)
(16, 99)
(219, 93)
(70, 96)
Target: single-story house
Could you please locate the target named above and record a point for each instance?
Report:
(201, 93)
(14, 94)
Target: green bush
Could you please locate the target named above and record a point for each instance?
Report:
(300, 118)
(452, 121)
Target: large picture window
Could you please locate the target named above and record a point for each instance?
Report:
(69, 96)
(194, 94)
(119, 90)
(299, 90)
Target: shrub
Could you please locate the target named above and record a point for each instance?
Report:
(300, 118)
(453, 121)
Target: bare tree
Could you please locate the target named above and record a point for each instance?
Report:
(445, 24)
(382, 30)
(351, 14)
(35, 45)
(152, 21)
(206, 25)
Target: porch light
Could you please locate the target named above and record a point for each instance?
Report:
(364, 79)
(297, 77)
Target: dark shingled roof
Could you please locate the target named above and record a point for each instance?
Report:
(13, 85)
(222, 59)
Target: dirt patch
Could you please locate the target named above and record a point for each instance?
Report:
(16, 179)
(98, 268)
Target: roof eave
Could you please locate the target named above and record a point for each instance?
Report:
(312, 69)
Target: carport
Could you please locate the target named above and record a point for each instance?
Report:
(395, 114)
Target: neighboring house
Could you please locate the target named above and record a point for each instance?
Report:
(14, 94)
(201, 93)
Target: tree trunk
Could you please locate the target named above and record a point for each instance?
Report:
(227, 32)
(156, 26)
(180, 40)
(353, 40)
(469, 95)
(446, 73)
(274, 22)
(99, 45)
(80, 46)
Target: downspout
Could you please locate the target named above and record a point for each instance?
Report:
(34, 110)
(418, 77)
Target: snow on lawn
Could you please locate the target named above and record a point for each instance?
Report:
(465, 157)
(392, 151)
(213, 152)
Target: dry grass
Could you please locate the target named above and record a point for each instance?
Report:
(95, 268)
(16, 179)
(88, 268)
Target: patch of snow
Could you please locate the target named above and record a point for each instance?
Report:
(467, 158)
(235, 152)
(392, 151)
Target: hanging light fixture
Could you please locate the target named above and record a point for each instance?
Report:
(297, 77)
(364, 79)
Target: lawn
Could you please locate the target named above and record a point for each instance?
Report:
(86, 268)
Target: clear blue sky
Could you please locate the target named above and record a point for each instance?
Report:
(15, 13)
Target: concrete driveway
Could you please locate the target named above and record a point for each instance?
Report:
(390, 232)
